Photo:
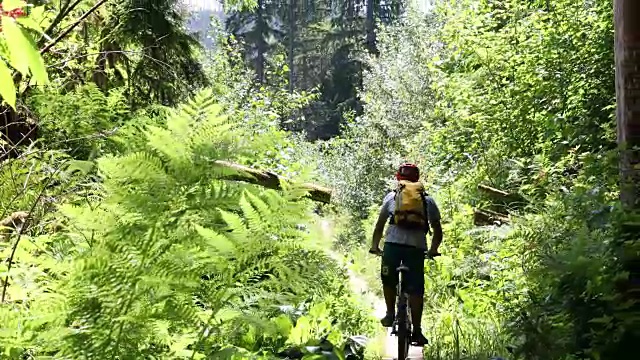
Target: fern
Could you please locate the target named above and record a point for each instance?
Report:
(174, 261)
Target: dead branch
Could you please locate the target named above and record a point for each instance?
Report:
(72, 26)
(484, 217)
(502, 196)
(493, 191)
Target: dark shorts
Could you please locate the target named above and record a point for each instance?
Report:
(412, 257)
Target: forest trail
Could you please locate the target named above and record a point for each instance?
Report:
(387, 343)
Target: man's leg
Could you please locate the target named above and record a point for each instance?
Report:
(389, 277)
(417, 302)
(390, 300)
(415, 260)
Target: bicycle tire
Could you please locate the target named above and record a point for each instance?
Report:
(403, 321)
(404, 335)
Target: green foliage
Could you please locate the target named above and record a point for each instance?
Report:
(142, 49)
(262, 109)
(165, 259)
(79, 121)
(17, 49)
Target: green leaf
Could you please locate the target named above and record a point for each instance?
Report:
(29, 23)
(9, 5)
(15, 44)
(283, 324)
(23, 53)
(314, 357)
(217, 240)
(83, 166)
(227, 314)
(7, 88)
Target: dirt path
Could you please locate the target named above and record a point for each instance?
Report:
(388, 344)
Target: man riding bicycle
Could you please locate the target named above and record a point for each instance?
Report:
(406, 241)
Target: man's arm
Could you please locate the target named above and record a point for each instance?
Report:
(436, 240)
(379, 229)
(436, 226)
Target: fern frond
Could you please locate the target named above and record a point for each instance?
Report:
(236, 227)
(253, 218)
(171, 145)
(200, 106)
(216, 240)
(261, 206)
(175, 253)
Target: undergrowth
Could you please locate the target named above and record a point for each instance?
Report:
(519, 98)
(162, 257)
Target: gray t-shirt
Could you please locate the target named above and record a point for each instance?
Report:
(397, 235)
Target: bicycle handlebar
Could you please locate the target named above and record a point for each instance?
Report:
(431, 257)
(426, 254)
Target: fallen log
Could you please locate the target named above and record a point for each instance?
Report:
(493, 191)
(11, 223)
(483, 217)
(506, 198)
(270, 180)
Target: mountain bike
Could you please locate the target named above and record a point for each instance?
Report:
(402, 325)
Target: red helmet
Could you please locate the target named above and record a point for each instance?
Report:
(408, 171)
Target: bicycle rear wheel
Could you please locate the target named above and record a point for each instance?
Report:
(404, 333)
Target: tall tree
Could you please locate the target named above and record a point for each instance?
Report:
(261, 46)
(627, 46)
(292, 42)
(371, 26)
(260, 30)
(627, 63)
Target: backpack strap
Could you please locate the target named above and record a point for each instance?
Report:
(424, 195)
(392, 221)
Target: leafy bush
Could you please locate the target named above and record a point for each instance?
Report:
(80, 120)
(166, 259)
(518, 96)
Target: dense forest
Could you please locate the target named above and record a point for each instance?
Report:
(161, 199)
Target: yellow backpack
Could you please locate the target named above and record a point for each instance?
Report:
(410, 209)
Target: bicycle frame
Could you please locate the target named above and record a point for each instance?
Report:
(402, 325)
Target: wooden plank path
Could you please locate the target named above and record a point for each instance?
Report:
(390, 346)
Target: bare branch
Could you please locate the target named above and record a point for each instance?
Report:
(72, 26)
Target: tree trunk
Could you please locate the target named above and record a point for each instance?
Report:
(261, 45)
(483, 217)
(370, 25)
(292, 38)
(627, 55)
(627, 64)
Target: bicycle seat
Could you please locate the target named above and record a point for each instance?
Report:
(402, 268)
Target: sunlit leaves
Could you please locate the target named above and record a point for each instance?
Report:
(7, 89)
(18, 45)
(175, 260)
(19, 51)
(518, 95)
